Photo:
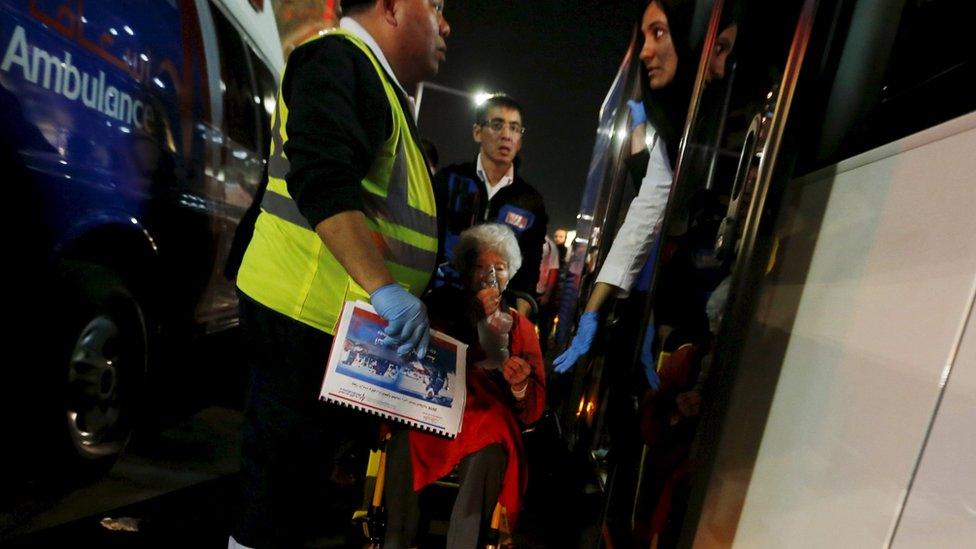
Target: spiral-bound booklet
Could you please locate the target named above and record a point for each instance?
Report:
(423, 392)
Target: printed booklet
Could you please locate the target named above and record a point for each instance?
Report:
(423, 392)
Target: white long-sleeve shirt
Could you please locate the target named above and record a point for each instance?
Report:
(643, 222)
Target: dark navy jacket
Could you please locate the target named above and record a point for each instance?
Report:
(462, 201)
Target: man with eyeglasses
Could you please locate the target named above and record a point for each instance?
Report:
(490, 190)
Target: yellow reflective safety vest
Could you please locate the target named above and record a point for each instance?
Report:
(289, 269)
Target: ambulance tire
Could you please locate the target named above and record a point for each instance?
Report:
(103, 362)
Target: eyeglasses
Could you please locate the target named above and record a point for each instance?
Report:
(496, 126)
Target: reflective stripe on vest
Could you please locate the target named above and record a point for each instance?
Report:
(394, 209)
(288, 268)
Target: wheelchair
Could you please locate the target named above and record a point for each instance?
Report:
(371, 516)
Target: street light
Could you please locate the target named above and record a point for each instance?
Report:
(481, 97)
(477, 98)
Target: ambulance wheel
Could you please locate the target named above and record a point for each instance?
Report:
(105, 359)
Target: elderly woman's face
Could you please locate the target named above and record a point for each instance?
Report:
(482, 266)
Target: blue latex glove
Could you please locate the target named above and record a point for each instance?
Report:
(647, 357)
(581, 342)
(407, 318)
(637, 114)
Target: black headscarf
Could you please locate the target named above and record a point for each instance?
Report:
(667, 108)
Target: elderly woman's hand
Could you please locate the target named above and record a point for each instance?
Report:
(490, 299)
(516, 372)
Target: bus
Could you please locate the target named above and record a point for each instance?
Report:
(134, 139)
(832, 402)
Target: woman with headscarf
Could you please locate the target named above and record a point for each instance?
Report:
(667, 59)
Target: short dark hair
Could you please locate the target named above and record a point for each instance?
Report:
(496, 100)
(350, 6)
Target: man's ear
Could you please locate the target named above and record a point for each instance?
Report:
(476, 133)
(390, 9)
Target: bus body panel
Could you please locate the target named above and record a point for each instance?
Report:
(942, 500)
(881, 311)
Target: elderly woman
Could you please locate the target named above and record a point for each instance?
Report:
(505, 391)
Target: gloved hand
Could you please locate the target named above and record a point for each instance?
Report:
(581, 342)
(407, 318)
(637, 114)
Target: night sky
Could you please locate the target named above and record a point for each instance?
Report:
(557, 58)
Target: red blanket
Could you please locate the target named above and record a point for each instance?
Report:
(491, 415)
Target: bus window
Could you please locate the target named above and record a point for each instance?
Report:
(898, 76)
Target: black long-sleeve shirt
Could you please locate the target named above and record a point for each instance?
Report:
(338, 119)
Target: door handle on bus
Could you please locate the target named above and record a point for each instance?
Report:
(725, 240)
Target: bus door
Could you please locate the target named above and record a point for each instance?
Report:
(838, 407)
(744, 88)
(604, 203)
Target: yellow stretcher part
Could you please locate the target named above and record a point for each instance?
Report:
(369, 488)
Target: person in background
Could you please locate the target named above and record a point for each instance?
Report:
(559, 237)
(724, 43)
(490, 189)
(547, 289)
(343, 121)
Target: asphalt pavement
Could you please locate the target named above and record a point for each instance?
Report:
(176, 484)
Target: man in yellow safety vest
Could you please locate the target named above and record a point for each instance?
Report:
(348, 214)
